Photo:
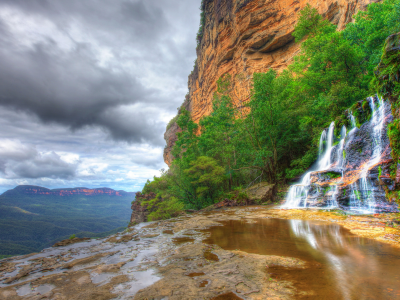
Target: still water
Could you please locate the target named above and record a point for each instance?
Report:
(340, 265)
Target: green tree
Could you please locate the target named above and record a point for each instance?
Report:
(186, 147)
(206, 176)
(219, 129)
(278, 138)
(271, 126)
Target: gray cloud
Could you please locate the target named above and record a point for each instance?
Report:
(87, 87)
(21, 161)
(44, 166)
(77, 78)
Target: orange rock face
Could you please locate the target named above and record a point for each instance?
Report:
(242, 37)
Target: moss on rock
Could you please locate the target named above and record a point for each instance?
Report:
(387, 84)
(387, 73)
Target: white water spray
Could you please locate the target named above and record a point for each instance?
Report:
(362, 199)
(298, 194)
(352, 121)
(339, 152)
(325, 160)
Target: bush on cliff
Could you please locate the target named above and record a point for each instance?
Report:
(196, 186)
(164, 209)
(206, 176)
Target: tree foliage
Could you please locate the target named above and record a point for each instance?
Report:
(277, 136)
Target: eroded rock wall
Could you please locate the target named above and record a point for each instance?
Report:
(140, 211)
(242, 37)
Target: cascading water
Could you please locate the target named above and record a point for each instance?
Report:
(325, 160)
(339, 153)
(339, 177)
(362, 197)
(352, 121)
(332, 197)
(322, 139)
(298, 194)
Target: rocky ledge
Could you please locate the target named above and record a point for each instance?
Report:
(170, 259)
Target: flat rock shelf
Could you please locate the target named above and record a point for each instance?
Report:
(235, 253)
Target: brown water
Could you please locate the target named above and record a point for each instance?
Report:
(182, 240)
(227, 296)
(340, 265)
(195, 274)
(210, 256)
(204, 283)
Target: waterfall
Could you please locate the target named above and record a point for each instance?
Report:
(352, 121)
(339, 152)
(343, 132)
(378, 119)
(362, 197)
(332, 202)
(321, 143)
(317, 188)
(325, 160)
(298, 194)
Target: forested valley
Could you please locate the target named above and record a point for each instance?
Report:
(30, 222)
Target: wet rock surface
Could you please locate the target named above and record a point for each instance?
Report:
(353, 170)
(359, 149)
(145, 262)
(70, 241)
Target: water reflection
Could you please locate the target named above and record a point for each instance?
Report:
(340, 264)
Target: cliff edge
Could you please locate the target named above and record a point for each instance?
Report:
(242, 37)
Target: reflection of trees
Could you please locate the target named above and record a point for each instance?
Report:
(268, 237)
(354, 267)
(352, 261)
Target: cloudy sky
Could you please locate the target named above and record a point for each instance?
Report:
(88, 86)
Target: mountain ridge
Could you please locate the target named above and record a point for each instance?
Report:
(34, 217)
(38, 190)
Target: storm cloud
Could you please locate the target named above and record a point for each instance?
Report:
(83, 72)
(78, 63)
(20, 161)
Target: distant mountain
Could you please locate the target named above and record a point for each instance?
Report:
(38, 190)
(34, 217)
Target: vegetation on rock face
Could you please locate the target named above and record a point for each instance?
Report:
(160, 208)
(333, 175)
(200, 33)
(275, 135)
(387, 83)
(172, 121)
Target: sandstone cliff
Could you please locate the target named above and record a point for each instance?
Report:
(139, 211)
(242, 37)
